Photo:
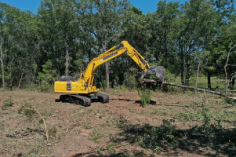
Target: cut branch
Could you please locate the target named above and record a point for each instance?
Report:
(44, 122)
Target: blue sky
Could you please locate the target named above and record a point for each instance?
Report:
(32, 5)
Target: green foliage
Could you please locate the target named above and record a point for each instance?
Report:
(41, 121)
(28, 111)
(131, 78)
(99, 151)
(109, 146)
(47, 77)
(53, 131)
(96, 135)
(176, 36)
(160, 137)
(7, 103)
(230, 101)
(145, 96)
(169, 77)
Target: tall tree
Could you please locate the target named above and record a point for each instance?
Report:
(197, 21)
(163, 28)
(18, 44)
(3, 30)
(103, 19)
(59, 32)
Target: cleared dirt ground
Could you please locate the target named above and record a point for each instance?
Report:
(112, 129)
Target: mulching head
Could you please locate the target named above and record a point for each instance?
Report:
(159, 71)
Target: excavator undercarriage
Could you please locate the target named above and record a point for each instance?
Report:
(84, 100)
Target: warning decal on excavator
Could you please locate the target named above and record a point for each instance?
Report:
(68, 85)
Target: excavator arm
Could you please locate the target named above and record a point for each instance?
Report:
(112, 53)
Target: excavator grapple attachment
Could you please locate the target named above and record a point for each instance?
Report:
(159, 71)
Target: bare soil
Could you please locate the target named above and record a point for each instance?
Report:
(97, 130)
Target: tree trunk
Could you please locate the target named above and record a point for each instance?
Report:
(187, 73)
(107, 67)
(182, 67)
(2, 66)
(198, 89)
(107, 77)
(233, 81)
(67, 56)
(198, 67)
(11, 74)
(19, 84)
(209, 79)
(225, 67)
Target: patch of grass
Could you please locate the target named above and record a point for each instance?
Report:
(143, 112)
(109, 148)
(28, 111)
(41, 121)
(1, 126)
(163, 136)
(119, 121)
(87, 125)
(89, 111)
(131, 110)
(53, 131)
(99, 151)
(227, 116)
(110, 145)
(115, 91)
(7, 103)
(96, 135)
(159, 112)
(230, 101)
(47, 113)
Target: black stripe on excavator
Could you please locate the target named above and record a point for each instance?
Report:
(110, 56)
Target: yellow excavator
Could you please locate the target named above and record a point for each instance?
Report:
(82, 90)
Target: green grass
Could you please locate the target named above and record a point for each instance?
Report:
(7, 103)
(203, 82)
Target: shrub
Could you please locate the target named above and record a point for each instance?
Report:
(28, 111)
(7, 103)
(47, 77)
(41, 121)
(145, 97)
(52, 131)
(160, 137)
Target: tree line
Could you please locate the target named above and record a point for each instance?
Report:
(65, 35)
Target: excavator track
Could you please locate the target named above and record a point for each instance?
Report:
(103, 98)
(77, 99)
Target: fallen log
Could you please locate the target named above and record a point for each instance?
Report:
(199, 89)
(148, 81)
(189, 87)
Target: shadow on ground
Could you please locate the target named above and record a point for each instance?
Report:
(115, 155)
(151, 102)
(207, 140)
